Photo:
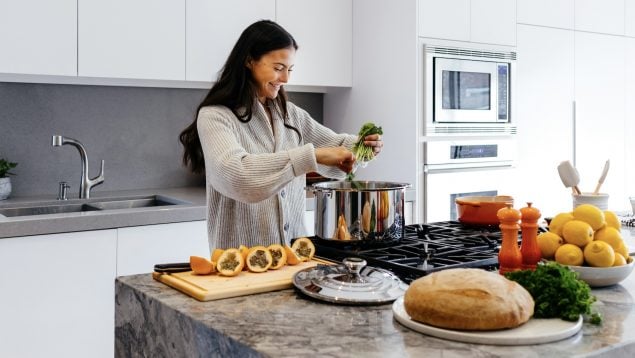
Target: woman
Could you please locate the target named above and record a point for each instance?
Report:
(256, 147)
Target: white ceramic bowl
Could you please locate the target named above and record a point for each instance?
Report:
(603, 276)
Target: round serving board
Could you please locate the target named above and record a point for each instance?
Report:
(535, 331)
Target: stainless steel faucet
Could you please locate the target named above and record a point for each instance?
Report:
(86, 184)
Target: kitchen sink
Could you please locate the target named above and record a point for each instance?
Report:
(90, 205)
(45, 210)
(145, 202)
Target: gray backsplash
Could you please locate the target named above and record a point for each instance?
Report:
(133, 129)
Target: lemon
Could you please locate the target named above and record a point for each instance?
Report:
(569, 254)
(558, 221)
(599, 254)
(623, 249)
(609, 235)
(577, 232)
(612, 220)
(619, 260)
(591, 215)
(548, 243)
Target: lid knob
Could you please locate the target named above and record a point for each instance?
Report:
(354, 265)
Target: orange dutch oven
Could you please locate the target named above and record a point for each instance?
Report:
(481, 210)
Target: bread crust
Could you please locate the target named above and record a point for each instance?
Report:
(468, 299)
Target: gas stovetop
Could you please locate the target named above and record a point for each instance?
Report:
(425, 248)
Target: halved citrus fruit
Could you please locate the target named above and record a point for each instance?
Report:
(230, 263)
(304, 248)
(292, 256)
(279, 256)
(216, 254)
(201, 265)
(259, 259)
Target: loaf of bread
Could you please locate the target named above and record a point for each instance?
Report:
(468, 299)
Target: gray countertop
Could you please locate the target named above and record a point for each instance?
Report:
(156, 320)
(97, 220)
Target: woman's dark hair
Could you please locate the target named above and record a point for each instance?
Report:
(235, 87)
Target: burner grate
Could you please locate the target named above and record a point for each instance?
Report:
(425, 248)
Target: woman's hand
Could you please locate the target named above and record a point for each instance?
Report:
(374, 141)
(336, 157)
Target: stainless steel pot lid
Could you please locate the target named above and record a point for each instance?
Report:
(350, 283)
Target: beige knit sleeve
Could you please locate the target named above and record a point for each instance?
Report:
(238, 174)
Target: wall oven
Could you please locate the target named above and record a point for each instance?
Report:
(465, 167)
(468, 91)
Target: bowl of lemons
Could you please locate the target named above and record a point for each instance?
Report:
(588, 240)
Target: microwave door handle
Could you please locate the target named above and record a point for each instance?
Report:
(453, 168)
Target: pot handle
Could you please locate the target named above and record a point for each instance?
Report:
(470, 203)
(329, 193)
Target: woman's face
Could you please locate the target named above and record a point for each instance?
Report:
(271, 71)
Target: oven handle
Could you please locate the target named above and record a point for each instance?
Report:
(465, 167)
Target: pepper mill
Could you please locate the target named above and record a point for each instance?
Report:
(509, 256)
(529, 229)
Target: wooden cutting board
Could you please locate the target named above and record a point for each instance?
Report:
(214, 286)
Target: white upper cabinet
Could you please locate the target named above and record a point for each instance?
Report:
(551, 13)
(213, 26)
(448, 19)
(324, 32)
(606, 16)
(141, 39)
(494, 21)
(629, 18)
(482, 21)
(38, 37)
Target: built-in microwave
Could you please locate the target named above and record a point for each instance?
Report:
(468, 91)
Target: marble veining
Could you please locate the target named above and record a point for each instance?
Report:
(155, 320)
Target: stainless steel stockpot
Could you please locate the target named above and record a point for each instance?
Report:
(359, 210)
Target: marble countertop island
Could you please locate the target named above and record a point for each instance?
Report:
(155, 320)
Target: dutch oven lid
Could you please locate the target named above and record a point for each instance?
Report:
(350, 283)
(357, 185)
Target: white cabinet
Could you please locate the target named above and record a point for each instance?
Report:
(552, 13)
(493, 21)
(600, 118)
(544, 107)
(629, 131)
(141, 247)
(324, 33)
(38, 37)
(557, 68)
(606, 16)
(58, 295)
(482, 21)
(212, 28)
(140, 39)
(449, 19)
(629, 18)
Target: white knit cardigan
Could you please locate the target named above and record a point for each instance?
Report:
(256, 176)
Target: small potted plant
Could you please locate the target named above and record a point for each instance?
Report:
(5, 181)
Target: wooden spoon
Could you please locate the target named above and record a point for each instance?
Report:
(569, 176)
(602, 177)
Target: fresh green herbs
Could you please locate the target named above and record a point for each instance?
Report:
(557, 292)
(362, 152)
